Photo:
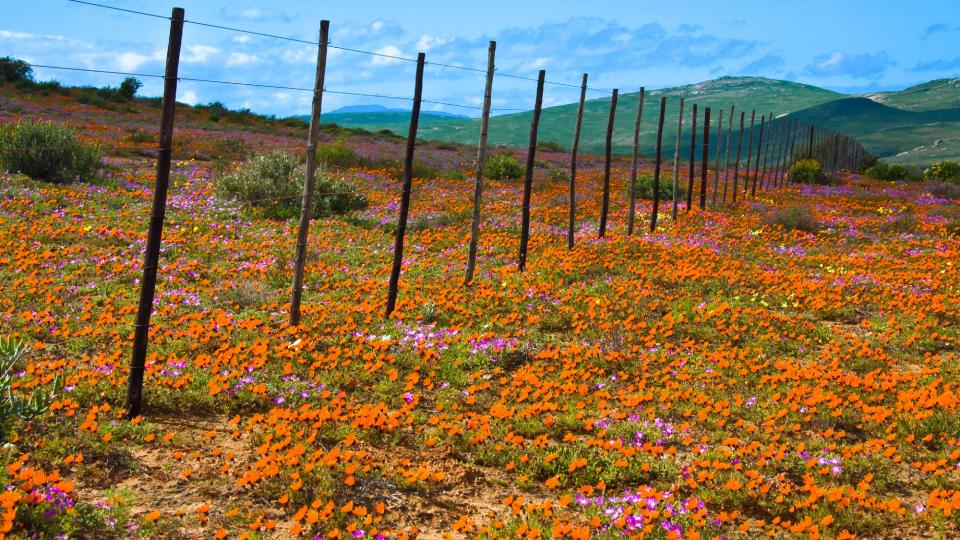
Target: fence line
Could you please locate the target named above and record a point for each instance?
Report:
(835, 151)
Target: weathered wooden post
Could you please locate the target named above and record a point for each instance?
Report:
(407, 188)
(746, 181)
(151, 259)
(676, 163)
(756, 166)
(528, 177)
(656, 170)
(706, 158)
(306, 204)
(481, 159)
(736, 164)
(572, 206)
(607, 159)
(766, 152)
(716, 161)
(693, 156)
(635, 163)
(726, 161)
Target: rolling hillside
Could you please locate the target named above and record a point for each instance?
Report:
(893, 125)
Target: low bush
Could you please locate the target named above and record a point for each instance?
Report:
(807, 171)
(15, 407)
(47, 151)
(944, 171)
(550, 146)
(13, 70)
(128, 88)
(273, 183)
(892, 172)
(793, 218)
(944, 190)
(502, 166)
(337, 154)
(644, 188)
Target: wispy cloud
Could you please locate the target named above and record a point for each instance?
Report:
(841, 64)
(938, 65)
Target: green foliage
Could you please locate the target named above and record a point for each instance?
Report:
(644, 188)
(337, 154)
(128, 88)
(891, 172)
(273, 182)
(14, 407)
(47, 151)
(944, 171)
(793, 218)
(807, 171)
(550, 146)
(13, 70)
(501, 166)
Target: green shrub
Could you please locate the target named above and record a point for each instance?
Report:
(47, 151)
(128, 88)
(15, 407)
(644, 188)
(550, 146)
(337, 154)
(793, 218)
(501, 166)
(13, 70)
(891, 172)
(944, 171)
(273, 182)
(807, 171)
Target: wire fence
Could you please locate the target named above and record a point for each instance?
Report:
(780, 141)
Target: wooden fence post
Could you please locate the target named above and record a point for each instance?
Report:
(756, 166)
(607, 158)
(151, 259)
(746, 181)
(528, 178)
(306, 205)
(676, 163)
(766, 152)
(781, 137)
(716, 161)
(481, 159)
(572, 210)
(656, 170)
(810, 146)
(706, 158)
(634, 163)
(407, 188)
(736, 164)
(693, 156)
(726, 161)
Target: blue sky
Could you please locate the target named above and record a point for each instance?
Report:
(848, 45)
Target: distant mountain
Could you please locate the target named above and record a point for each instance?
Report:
(929, 96)
(366, 109)
(889, 123)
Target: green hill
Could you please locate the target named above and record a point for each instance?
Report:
(556, 123)
(888, 131)
(929, 96)
(891, 124)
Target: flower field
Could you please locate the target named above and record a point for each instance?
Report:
(724, 377)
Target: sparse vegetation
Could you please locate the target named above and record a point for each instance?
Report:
(47, 151)
(944, 171)
(644, 188)
(793, 218)
(892, 172)
(273, 183)
(502, 166)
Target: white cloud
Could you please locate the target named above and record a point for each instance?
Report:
(425, 43)
(6, 34)
(241, 39)
(391, 50)
(189, 97)
(197, 54)
(376, 26)
(251, 13)
(239, 59)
